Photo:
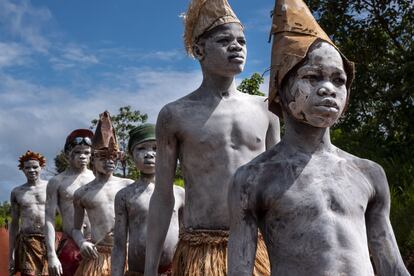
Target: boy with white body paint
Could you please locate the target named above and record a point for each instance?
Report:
(131, 210)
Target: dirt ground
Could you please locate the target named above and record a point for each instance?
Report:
(4, 249)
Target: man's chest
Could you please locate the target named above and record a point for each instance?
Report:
(329, 188)
(31, 198)
(224, 127)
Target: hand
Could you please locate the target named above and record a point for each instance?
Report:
(55, 268)
(88, 250)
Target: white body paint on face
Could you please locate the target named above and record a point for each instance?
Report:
(226, 50)
(31, 170)
(144, 155)
(318, 88)
(79, 156)
(104, 165)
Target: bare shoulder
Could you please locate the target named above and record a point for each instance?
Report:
(370, 169)
(259, 102)
(122, 195)
(123, 181)
(17, 191)
(55, 181)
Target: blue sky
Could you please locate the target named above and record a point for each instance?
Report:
(64, 62)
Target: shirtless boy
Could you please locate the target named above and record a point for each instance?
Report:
(60, 190)
(27, 249)
(131, 210)
(97, 200)
(321, 210)
(212, 131)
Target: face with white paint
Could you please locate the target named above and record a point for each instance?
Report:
(144, 155)
(79, 156)
(222, 50)
(317, 93)
(31, 169)
(104, 164)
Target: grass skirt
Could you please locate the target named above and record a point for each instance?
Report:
(201, 253)
(96, 267)
(31, 254)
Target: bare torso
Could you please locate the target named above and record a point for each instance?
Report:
(215, 137)
(66, 185)
(31, 201)
(314, 211)
(97, 199)
(134, 200)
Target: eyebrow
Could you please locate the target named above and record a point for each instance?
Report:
(319, 69)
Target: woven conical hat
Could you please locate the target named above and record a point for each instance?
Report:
(294, 29)
(204, 15)
(104, 137)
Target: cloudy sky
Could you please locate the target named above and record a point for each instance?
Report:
(64, 62)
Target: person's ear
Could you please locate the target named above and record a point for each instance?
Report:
(198, 51)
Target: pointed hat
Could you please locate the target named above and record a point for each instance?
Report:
(203, 16)
(105, 137)
(295, 30)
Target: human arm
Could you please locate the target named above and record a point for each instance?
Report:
(243, 227)
(381, 240)
(273, 131)
(13, 230)
(162, 200)
(55, 267)
(120, 236)
(87, 249)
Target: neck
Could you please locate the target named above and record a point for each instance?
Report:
(75, 170)
(33, 182)
(218, 85)
(306, 138)
(147, 178)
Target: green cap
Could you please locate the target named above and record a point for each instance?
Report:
(140, 134)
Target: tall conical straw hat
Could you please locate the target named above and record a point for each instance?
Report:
(203, 16)
(294, 29)
(105, 137)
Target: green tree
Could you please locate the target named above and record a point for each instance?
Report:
(123, 122)
(379, 36)
(252, 85)
(61, 162)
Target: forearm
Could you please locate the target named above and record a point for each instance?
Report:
(241, 251)
(78, 237)
(50, 238)
(160, 211)
(13, 231)
(118, 259)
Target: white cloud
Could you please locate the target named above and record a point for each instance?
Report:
(72, 56)
(36, 117)
(137, 55)
(22, 20)
(12, 54)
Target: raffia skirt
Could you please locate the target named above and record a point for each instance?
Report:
(202, 253)
(96, 267)
(162, 270)
(31, 254)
